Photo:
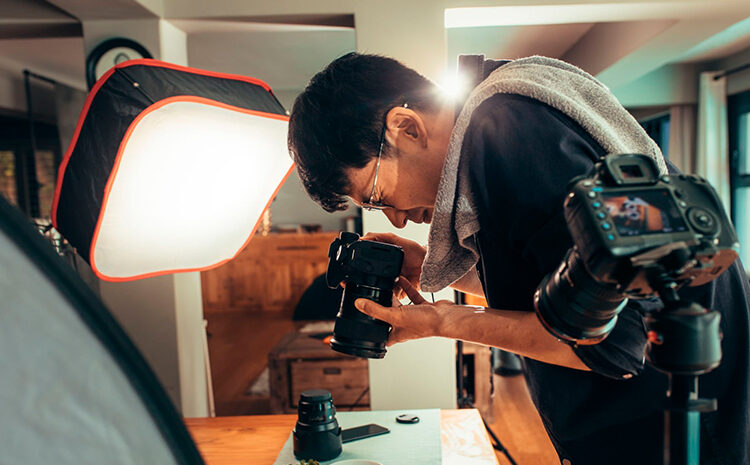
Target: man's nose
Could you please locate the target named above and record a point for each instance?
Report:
(396, 217)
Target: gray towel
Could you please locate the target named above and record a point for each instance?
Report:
(451, 250)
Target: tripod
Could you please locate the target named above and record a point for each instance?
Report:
(685, 343)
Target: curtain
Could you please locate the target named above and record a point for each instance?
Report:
(682, 135)
(712, 155)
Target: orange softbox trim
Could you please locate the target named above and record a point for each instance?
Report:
(172, 128)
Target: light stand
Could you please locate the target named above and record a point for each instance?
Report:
(685, 343)
(464, 399)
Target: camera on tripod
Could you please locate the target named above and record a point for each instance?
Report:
(369, 270)
(632, 228)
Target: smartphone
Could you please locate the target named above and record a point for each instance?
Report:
(361, 432)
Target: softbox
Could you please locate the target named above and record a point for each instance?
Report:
(170, 169)
(74, 389)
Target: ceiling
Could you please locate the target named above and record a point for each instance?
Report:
(285, 56)
(615, 41)
(509, 42)
(59, 58)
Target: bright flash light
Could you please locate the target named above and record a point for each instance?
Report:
(454, 86)
(195, 173)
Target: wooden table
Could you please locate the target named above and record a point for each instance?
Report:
(257, 440)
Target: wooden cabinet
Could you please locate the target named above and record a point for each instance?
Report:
(269, 275)
(478, 375)
(300, 362)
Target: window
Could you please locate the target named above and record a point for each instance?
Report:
(8, 176)
(657, 128)
(739, 149)
(27, 178)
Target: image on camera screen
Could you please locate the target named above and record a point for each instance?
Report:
(645, 212)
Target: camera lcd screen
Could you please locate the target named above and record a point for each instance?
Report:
(644, 212)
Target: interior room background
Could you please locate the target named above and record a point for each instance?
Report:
(667, 67)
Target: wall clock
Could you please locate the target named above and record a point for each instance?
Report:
(110, 53)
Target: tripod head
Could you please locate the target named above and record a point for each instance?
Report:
(684, 336)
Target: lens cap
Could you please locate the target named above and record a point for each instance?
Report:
(315, 395)
(407, 418)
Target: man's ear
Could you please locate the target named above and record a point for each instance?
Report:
(404, 125)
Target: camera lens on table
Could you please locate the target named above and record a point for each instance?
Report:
(317, 434)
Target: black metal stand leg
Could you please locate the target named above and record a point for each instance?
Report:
(683, 445)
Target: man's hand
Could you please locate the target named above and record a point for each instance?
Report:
(514, 331)
(413, 256)
(423, 319)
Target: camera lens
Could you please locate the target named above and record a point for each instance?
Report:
(369, 269)
(317, 434)
(356, 333)
(574, 306)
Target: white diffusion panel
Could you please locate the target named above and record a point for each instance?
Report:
(63, 399)
(193, 180)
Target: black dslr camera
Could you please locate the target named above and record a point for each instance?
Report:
(631, 228)
(369, 270)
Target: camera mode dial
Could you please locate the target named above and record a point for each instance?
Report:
(703, 221)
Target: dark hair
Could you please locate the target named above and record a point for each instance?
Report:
(337, 121)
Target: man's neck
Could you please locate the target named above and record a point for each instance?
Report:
(444, 120)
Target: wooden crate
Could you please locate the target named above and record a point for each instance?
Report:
(300, 362)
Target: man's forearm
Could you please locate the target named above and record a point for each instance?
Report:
(518, 332)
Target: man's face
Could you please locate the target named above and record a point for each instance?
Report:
(403, 191)
(403, 182)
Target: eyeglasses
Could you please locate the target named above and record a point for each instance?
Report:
(371, 205)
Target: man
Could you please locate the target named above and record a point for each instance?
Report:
(492, 183)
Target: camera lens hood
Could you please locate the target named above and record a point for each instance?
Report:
(573, 306)
(317, 434)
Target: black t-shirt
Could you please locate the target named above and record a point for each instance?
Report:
(521, 154)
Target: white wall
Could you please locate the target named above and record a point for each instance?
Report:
(415, 374)
(668, 85)
(13, 94)
(400, 380)
(293, 207)
(144, 31)
(12, 90)
(190, 334)
(143, 309)
(678, 84)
